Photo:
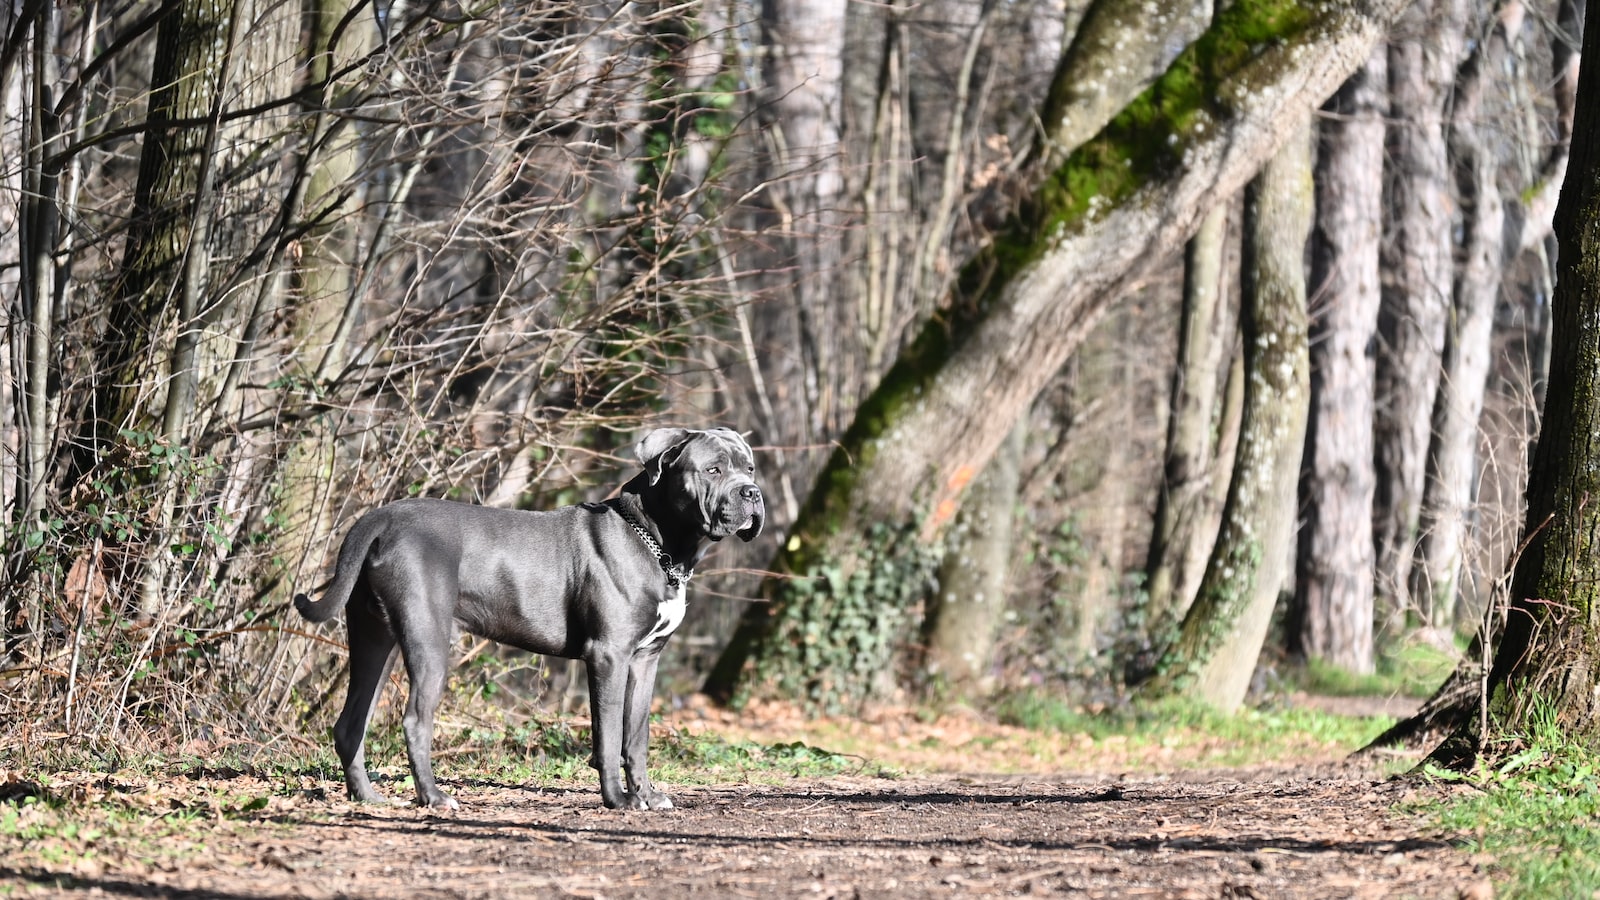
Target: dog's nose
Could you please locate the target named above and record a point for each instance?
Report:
(750, 492)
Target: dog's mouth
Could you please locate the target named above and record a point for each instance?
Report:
(755, 515)
(740, 516)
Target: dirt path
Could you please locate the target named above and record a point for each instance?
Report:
(1261, 834)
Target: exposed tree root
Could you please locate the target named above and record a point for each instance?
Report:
(1448, 722)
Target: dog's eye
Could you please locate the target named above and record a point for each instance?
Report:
(713, 470)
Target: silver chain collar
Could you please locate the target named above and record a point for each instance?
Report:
(677, 575)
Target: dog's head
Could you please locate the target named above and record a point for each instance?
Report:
(707, 476)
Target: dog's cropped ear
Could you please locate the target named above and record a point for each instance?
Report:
(653, 449)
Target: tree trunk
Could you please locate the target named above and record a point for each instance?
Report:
(965, 611)
(1538, 201)
(35, 222)
(1416, 295)
(862, 547)
(1548, 660)
(1452, 471)
(1222, 635)
(1097, 482)
(325, 278)
(1203, 338)
(1333, 606)
(803, 71)
(194, 44)
(212, 55)
(1456, 707)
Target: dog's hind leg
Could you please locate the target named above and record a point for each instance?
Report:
(429, 670)
(371, 656)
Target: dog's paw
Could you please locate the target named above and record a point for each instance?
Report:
(440, 803)
(651, 799)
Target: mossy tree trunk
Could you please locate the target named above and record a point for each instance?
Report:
(1111, 58)
(1547, 663)
(1115, 53)
(862, 549)
(1332, 619)
(1215, 653)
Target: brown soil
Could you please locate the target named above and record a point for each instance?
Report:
(1224, 835)
(1310, 827)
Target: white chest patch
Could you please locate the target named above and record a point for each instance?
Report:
(669, 615)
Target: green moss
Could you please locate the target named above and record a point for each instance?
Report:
(1145, 142)
(1216, 610)
(1148, 138)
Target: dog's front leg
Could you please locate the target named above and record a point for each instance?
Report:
(608, 684)
(636, 730)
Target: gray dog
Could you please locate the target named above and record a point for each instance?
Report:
(600, 582)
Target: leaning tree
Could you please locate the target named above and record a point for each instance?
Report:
(859, 555)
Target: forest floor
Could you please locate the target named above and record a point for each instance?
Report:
(956, 807)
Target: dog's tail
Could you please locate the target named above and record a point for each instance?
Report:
(352, 557)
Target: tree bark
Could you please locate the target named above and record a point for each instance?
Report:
(194, 43)
(1445, 520)
(1416, 296)
(1547, 663)
(1188, 468)
(1215, 654)
(803, 72)
(966, 609)
(1538, 202)
(33, 235)
(341, 33)
(1098, 483)
(1333, 605)
(221, 54)
(866, 535)
(1116, 52)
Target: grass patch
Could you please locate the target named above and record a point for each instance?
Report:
(1537, 812)
(1414, 670)
(1207, 736)
(74, 821)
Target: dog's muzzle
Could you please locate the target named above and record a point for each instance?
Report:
(747, 512)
